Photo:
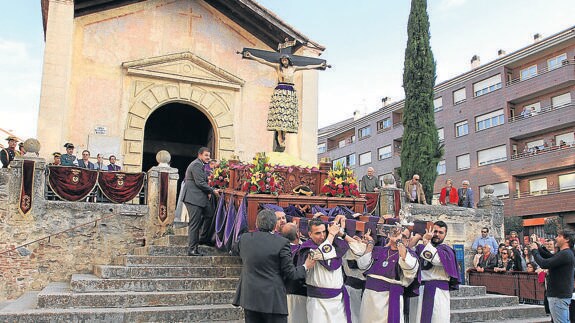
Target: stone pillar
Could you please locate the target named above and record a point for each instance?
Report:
(494, 207)
(155, 227)
(53, 126)
(387, 196)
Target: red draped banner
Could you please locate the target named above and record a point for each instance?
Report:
(120, 187)
(371, 201)
(163, 198)
(72, 183)
(27, 187)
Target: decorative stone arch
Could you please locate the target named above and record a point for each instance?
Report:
(182, 78)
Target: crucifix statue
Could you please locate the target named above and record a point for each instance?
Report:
(283, 115)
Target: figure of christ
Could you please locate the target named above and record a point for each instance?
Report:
(283, 115)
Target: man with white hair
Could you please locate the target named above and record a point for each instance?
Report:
(465, 195)
(370, 183)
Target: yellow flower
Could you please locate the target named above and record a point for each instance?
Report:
(338, 181)
(338, 172)
(326, 182)
(254, 180)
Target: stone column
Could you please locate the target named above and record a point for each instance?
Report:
(494, 206)
(155, 227)
(387, 196)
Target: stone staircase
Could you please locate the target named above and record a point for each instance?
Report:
(473, 304)
(159, 283)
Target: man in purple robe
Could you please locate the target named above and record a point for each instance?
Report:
(439, 275)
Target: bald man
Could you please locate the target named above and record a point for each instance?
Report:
(370, 183)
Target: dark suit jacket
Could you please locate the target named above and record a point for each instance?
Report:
(266, 263)
(114, 167)
(489, 263)
(468, 201)
(83, 165)
(196, 189)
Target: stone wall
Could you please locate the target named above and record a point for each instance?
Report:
(32, 267)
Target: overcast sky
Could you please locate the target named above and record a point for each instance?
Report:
(364, 40)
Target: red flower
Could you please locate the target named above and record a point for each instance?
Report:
(254, 188)
(339, 191)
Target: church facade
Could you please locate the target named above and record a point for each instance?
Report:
(130, 78)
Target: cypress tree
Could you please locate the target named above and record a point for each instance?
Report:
(420, 150)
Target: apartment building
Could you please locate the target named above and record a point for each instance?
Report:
(509, 123)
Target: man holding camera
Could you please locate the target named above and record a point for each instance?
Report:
(389, 270)
(327, 299)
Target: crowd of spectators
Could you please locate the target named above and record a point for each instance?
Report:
(70, 159)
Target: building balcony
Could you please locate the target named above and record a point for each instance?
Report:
(548, 159)
(544, 81)
(548, 119)
(546, 202)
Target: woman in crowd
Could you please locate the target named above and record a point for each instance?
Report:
(531, 267)
(505, 263)
(448, 194)
(527, 256)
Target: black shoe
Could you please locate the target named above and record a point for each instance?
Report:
(195, 253)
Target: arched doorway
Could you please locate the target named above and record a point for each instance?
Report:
(179, 128)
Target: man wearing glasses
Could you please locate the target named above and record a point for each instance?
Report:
(414, 190)
(485, 240)
(85, 161)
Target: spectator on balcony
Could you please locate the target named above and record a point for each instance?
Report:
(504, 263)
(485, 240)
(7, 154)
(533, 111)
(99, 165)
(487, 261)
(113, 167)
(414, 190)
(370, 183)
(560, 276)
(69, 159)
(56, 161)
(465, 194)
(448, 195)
(21, 149)
(85, 161)
(562, 144)
(478, 255)
(526, 113)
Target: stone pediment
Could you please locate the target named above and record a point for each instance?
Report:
(185, 67)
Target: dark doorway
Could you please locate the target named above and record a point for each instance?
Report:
(180, 129)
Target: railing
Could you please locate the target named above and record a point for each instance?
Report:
(541, 150)
(516, 283)
(97, 196)
(551, 191)
(397, 124)
(541, 111)
(541, 71)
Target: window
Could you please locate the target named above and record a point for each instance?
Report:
(538, 186)
(556, 62)
(384, 124)
(561, 100)
(384, 152)
(459, 96)
(489, 120)
(501, 190)
(567, 182)
(492, 155)
(463, 162)
(341, 160)
(380, 180)
(488, 85)
(531, 109)
(321, 148)
(365, 158)
(535, 143)
(461, 128)
(350, 160)
(341, 143)
(441, 134)
(529, 72)
(364, 132)
(438, 104)
(567, 138)
(441, 167)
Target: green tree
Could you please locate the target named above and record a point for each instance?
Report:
(420, 150)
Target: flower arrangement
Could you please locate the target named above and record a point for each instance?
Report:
(259, 177)
(220, 176)
(340, 182)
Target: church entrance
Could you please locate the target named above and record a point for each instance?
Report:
(181, 129)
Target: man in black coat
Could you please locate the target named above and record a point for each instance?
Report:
(196, 194)
(266, 264)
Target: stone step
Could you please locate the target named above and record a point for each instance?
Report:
(483, 301)
(171, 261)
(518, 312)
(543, 319)
(468, 290)
(175, 251)
(84, 283)
(172, 240)
(59, 295)
(193, 313)
(107, 271)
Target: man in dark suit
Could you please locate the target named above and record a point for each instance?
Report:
(85, 161)
(465, 194)
(266, 264)
(196, 194)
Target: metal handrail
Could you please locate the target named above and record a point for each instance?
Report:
(543, 151)
(57, 233)
(543, 110)
(552, 191)
(542, 71)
